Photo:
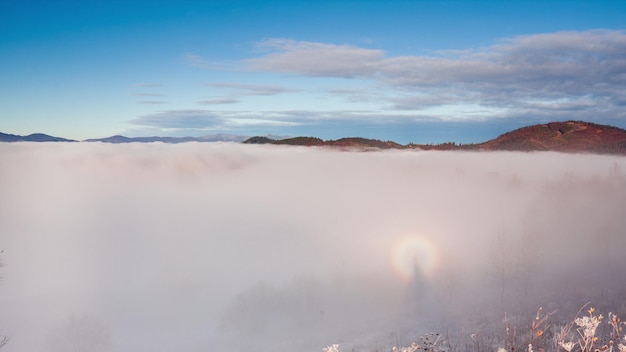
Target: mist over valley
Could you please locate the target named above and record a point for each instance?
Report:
(223, 246)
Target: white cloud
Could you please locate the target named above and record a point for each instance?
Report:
(235, 91)
(242, 121)
(147, 94)
(148, 85)
(554, 57)
(180, 119)
(196, 61)
(586, 69)
(218, 100)
(155, 96)
(241, 89)
(316, 59)
(153, 102)
(190, 122)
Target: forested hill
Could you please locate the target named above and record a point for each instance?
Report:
(569, 137)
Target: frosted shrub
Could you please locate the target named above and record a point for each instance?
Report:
(621, 346)
(587, 326)
(414, 347)
(331, 348)
(568, 346)
(582, 334)
(588, 329)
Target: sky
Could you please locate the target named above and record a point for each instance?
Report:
(408, 71)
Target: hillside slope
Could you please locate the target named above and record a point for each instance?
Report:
(35, 137)
(569, 136)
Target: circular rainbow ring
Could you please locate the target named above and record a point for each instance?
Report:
(411, 253)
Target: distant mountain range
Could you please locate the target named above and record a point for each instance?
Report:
(35, 137)
(40, 137)
(568, 136)
(210, 138)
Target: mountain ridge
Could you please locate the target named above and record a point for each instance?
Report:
(116, 139)
(559, 136)
(34, 137)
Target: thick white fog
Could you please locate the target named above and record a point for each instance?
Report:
(220, 247)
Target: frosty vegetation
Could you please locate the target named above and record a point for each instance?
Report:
(589, 336)
(218, 247)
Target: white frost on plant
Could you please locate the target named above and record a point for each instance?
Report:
(331, 348)
(621, 346)
(414, 347)
(589, 325)
(568, 346)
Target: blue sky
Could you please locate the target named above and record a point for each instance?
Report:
(409, 71)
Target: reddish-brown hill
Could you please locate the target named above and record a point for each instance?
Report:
(569, 136)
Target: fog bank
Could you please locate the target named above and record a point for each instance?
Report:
(207, 247)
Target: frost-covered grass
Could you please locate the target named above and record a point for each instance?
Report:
(590, 332)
